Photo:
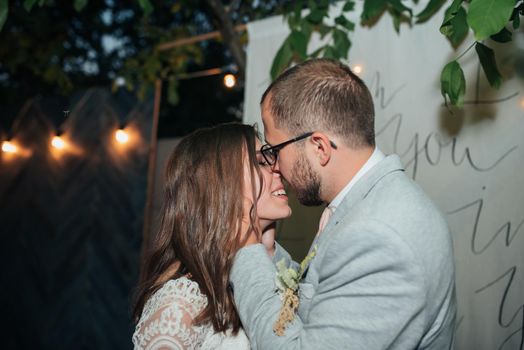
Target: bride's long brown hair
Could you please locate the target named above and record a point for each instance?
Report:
(201, 227)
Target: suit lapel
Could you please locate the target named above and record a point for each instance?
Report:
(355, 195)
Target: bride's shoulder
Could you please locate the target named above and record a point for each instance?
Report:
(167, 317)
(183, 292)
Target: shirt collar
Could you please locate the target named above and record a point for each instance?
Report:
(375, 158)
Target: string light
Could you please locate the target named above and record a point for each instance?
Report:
(9, 147)
(121, 136)
(357, 69)
(58, 143)
(230, 80)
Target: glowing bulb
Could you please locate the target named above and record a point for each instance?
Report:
(9, 147)
(121, 136)
(230, 80)
(522, 103)
(58, 143)
(357, 69)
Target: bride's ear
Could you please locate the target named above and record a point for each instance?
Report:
(322, 147)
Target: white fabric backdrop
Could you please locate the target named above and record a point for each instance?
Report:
(471, 163)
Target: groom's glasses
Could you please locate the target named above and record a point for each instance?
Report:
(270, 153)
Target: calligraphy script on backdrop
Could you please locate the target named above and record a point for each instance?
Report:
(470, 162)
(428, 150)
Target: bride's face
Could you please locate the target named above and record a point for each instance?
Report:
(272, 204)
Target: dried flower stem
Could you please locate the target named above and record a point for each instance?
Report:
(287, 312)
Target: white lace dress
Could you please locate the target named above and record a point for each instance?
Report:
(166, 321)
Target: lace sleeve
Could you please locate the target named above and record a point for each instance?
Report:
(166, 322)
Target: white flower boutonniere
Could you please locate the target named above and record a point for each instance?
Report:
(287, 286)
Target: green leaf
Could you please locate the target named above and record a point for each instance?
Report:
(453, 83)
(515, 17)
(315, 16)
(79, 5)
(451, 11)
(397, 18)
(432, 8)
(293, 22)
(503, 36)
(373, 9)
(489, 64)
(28, 4)
(324, 29)
(400, 7)
(348, 6)
(341, 20)
(172, 92)
(146, 6)
(350, 26)
(297, 11)
(516, 22)
(456, 28)
(4, 9)
(323, 4)
(298, 42)
(344, 22)
(330, 52)
(282, 59)
(306, 28)
(341, 43)
(488, 17)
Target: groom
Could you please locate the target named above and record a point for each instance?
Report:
(383, 274)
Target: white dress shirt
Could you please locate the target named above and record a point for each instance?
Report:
(375, 158)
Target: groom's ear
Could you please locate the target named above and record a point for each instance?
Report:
(322, 147)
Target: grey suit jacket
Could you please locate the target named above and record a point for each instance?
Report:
(383, 276)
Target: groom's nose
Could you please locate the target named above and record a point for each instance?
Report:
(275, 168)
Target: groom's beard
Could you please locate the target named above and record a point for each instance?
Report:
(305, 182)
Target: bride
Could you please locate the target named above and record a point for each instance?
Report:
(218, 190)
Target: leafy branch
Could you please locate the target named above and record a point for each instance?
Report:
(143, 62)
(488, 19)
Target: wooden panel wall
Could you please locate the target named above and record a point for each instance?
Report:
(71, 225)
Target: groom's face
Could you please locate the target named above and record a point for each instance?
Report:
(292, 162)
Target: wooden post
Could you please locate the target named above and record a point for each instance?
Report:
(195, 39)
(151, 167)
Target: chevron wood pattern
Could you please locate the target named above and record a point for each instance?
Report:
(71, 227)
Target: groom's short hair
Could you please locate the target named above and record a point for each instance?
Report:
(323, 95)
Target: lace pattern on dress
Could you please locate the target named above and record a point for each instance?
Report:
(167, 321)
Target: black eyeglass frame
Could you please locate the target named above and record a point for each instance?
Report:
(273, 150)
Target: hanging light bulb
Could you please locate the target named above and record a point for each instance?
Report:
(58, 143)
(9, 147)
(230, 80)
(357, 69)
(121, 136)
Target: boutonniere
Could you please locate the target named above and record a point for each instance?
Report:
(287, 286)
